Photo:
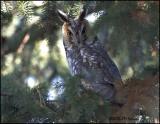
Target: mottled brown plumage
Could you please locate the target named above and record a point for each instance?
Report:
(88, 58)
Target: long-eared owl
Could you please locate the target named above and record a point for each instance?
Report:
(88, 58)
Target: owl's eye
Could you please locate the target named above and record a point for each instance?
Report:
(69, 33)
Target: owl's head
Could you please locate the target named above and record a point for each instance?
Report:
(74, 30)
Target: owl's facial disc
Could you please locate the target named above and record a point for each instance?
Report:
(74, 30)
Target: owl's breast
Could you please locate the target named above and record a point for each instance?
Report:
(75, 61)
(80, 64)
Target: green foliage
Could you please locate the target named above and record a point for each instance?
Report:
(73, 9)
(25, 9)
(6, 17)
(131, 30)
(18, 103)
(84, 105)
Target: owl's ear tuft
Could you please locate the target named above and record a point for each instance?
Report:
(62, 16)
(83, 13)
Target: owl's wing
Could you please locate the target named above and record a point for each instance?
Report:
(97, 58)
(110, 65)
